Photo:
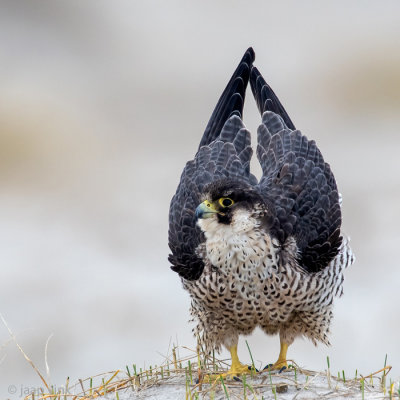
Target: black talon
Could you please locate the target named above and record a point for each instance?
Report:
(197, 381)
(268, 366)
(237, 379)
(250, 368)
(282, 369)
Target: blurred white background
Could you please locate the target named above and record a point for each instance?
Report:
(101, 105)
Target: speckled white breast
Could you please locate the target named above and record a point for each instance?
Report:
(241, 251)
(251, 280)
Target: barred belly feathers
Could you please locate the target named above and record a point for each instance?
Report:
(265, 253)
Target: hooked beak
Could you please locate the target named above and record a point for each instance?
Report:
(205, 210)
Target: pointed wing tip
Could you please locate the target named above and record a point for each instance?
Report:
(250, 54)
(265, 97)
(248, 59)
(231, 100)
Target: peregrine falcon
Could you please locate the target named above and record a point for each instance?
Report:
(265, 253)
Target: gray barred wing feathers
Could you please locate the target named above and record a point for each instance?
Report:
(298, 182)
(224, 158)
(224, 152)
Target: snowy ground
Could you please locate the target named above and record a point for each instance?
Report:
(178, 377)
(282, 386)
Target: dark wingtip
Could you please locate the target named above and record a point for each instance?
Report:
(251, 54)
(232, 99)
(266, 98)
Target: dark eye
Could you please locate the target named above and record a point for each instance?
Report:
(225, 201)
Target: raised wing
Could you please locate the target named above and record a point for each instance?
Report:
(232, 99)
(297, 181)
(266, 99)
(224, 152)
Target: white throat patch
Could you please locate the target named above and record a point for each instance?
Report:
(240, 250)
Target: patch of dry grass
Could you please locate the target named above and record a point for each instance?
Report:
(196, 375)
(191, 373)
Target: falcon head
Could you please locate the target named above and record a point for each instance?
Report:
(232, 203)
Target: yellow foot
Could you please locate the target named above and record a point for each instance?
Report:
(238, 369)
(280, 365)
(234, 371)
